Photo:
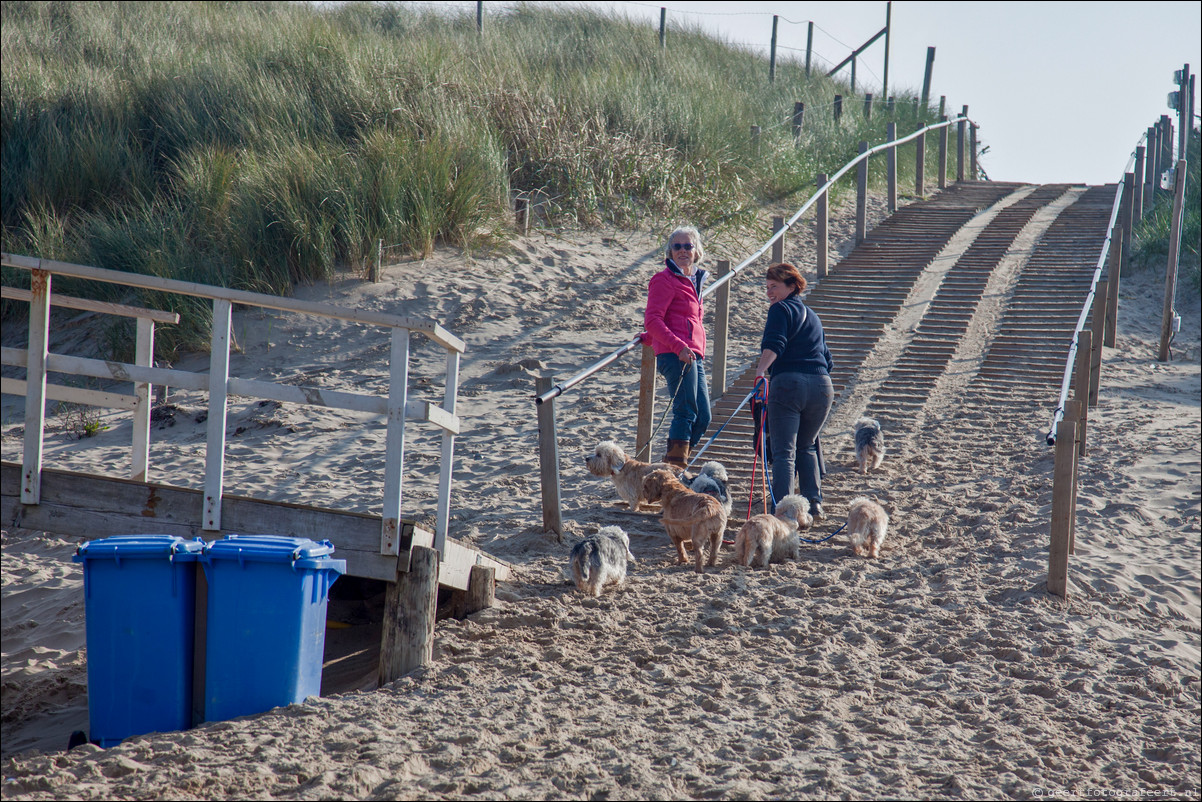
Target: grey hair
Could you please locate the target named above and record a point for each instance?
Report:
(694, 236)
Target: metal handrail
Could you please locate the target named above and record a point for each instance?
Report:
(559, 389)
(1058, 414)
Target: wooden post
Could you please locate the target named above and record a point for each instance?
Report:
(721, 330)
(1137, 188)
(144, 355)
(35, 386)
(394, 446)
(219, 374)
(838, 107)
(809, 46)
(853, 73)
(862, 196)
(961, 132)
(481, 592)
(868, 107)
(663, 28)
(920, 164)
(1062, 506)
(1076, 412)
(480, 17)
(1150, 157)
(943, 153)
(888, 30)
(891, 168)
(822, 221)
(646, 405)
(942, 107)
(1166, 147)
(772, 52)
(1170, 278)
(1117, 244)
(410, 607)
(778, 247)
(447, 459)
(548, 460)
(926, 79)
(1126, 222)
(799, 112)
(1082, 379)
(521, 210)
(972, 152)
(1095, 352)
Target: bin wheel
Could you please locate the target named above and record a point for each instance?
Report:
(78, 738)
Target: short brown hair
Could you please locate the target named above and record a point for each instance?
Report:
(789, 275)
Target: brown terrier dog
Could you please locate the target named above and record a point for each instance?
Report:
(687, 516)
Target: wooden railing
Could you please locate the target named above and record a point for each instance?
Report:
(397, 406)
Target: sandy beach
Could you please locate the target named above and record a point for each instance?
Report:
(942, 669)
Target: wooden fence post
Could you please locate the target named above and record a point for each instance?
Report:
(943, 132)
(926, 79)
(481, 592)
(1082, 379)
(809, 46)
(772, 52)
(972, 152)
(410, 607)
(646, 405)
(891, 168)
(663, 28)
(144, 355)
(35, 387)
(1112, 287)
(1126, 221)
(868, 107)
(920, 158)
(1095, 352)
(1170, 278)
(1137, 197)
(862, 196)
(219, 376)
(1151, 155)
(778, 247)
(799, 112)
(822, 221)
(961, 131)
(838, 107)
(1063, 492)
(721, 330)
(548, 460)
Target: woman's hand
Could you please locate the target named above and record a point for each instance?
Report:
(687, 357)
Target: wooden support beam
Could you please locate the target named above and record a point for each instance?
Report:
(822, 222)
(481, 593)
(1098, 322)
(862, 196)
(646, 404)
(410, 608)
(1082, 379)
(1062, 507)
(1117, 244)
(721, 330)
(548, 460)
(778, 247)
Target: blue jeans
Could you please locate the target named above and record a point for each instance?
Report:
(798, 404)
(691, 397)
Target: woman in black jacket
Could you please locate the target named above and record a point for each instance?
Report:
(795, 357)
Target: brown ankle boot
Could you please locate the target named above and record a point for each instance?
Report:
(678, 454)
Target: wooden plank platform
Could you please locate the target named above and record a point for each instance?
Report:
(87, 507)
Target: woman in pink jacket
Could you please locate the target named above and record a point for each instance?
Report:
(677, 333)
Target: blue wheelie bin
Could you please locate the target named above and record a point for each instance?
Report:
(139, 599)
(266, 627)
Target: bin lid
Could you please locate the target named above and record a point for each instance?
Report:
(143, 547)
(298, 551)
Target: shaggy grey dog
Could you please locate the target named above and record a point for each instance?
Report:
(870, 446)
(711, 481)
(599, 560)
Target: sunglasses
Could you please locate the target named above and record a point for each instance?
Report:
(682, 246)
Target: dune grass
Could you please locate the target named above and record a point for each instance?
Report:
(257, 145)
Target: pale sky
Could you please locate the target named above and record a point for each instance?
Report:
(1062, 90)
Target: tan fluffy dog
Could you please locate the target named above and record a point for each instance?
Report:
(773, 538)
(687, 516)
(628, 474)
(867, 522)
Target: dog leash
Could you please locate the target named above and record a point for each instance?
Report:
(828, 537)
(667, 409)
(738, 409)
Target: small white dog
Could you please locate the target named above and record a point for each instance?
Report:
(628, 474)
(712, 481)
(870, 446)
(867, 523)
(773, 538)
(599, 560)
